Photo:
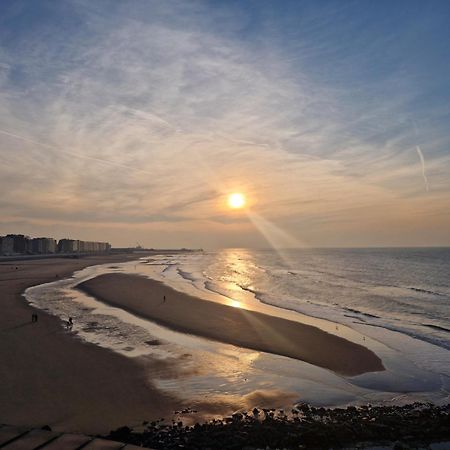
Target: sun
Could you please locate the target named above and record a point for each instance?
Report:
(236, 200)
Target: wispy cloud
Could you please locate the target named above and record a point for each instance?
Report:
(150, 115)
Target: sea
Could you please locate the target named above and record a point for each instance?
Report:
(405, 290)
(396, 301)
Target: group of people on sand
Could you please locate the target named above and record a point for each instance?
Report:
(69, 323)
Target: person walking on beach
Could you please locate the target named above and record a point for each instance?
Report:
(34, 317)
(70, 323)
(164, 299)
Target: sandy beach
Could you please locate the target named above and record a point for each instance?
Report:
(48, 377)
(153, 300)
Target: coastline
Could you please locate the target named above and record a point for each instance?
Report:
(153, 300)
(52, 377)
(48, 377)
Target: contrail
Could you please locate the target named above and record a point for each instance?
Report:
(78, 155)
(422, 160)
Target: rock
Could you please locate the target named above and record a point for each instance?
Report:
(121, 434)
(318, 427)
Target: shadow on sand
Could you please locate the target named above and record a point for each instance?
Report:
(24, 324)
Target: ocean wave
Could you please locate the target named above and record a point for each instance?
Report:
(436, 327)
(186, 275)
(249, 289)
(425, 291)
(217, 289)
(357, 311)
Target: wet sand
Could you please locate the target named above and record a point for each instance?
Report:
(49, 377)
(249, 329)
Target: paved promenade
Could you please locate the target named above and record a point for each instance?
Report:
(21, 438)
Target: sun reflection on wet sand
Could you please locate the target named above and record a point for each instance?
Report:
(235, 304)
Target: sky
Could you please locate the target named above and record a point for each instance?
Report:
(131, 121)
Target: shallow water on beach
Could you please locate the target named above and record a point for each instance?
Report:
(375, 290)
(207, 371)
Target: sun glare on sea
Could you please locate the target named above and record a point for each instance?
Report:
(236, 200)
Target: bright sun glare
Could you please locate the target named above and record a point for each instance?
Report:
(236, 200)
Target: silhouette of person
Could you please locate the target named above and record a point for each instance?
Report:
(70, 323)
(164, 298)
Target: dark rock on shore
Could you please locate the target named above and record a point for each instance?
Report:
(415, 425)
